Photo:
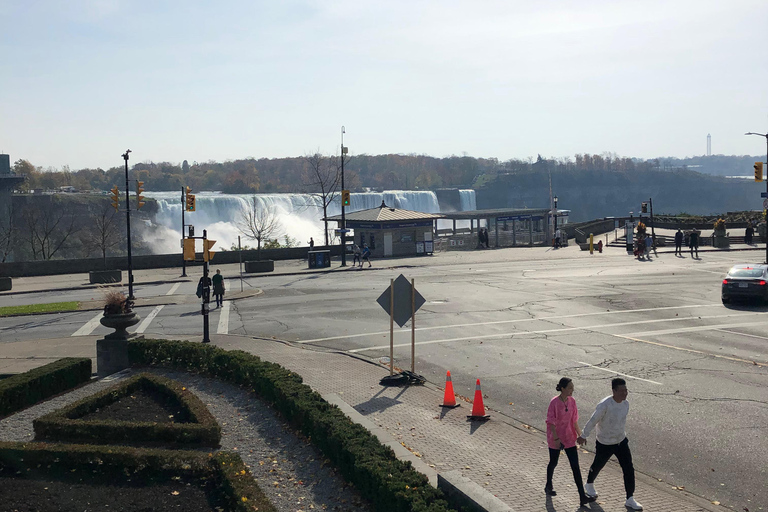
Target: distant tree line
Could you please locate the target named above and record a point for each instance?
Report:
(377, 172)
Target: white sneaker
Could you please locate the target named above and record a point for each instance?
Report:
(631, 503)
(589, 490)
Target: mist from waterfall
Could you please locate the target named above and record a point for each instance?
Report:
(300, 215)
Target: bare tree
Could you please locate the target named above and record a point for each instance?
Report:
(47, 229)
(104, 233)
(259, 223)
(8, 233)
(321, 179)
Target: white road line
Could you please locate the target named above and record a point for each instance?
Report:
(692, 329)
(692, 351)
(743, 334)
(89, 327)
(618, 373)
(499, 322)
(560, 330)
(145, 323)
(224, 319)
(173, 289)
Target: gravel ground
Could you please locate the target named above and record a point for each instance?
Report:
(291, 472)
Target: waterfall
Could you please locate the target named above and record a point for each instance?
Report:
(300, 215)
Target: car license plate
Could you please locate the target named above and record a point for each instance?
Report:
(743, 285)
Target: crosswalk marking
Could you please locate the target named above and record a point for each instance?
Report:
(224, 319)
(89, 327)
(173, 289)
(151, 316)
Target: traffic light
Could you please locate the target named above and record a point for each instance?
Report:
(189, 249)
(758, 171)
(207, 252)
(345, 197)
(139, 197)
(644, 207)
(115, 197)
(189, 200)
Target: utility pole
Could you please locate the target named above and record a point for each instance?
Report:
(128, 227)
(343, 220)
(765, 210)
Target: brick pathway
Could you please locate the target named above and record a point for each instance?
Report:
(503, 456)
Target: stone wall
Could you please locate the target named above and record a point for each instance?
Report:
(54, 267)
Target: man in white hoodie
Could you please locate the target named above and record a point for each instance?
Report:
(610, 418)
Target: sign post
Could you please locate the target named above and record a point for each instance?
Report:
(401, 300)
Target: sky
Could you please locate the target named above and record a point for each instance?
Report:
(81, 81)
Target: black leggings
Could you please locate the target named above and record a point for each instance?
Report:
(573, 459)
(603, 452)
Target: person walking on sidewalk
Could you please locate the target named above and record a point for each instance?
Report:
(218, 288)
(562, 432)
(693, 242)
(610, 418)
(679, 242)
(365, 256)
(356, 250)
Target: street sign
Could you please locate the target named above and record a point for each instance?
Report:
(402, 302)
(340, 231)
(763, 194)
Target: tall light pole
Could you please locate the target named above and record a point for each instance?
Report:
(766, 191)
(343, 219)
(128, 227)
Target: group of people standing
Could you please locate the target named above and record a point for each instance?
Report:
(609, 421)
(693, 242)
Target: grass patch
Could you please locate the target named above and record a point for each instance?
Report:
(32, 309)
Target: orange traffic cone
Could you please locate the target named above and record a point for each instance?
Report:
(478, 409)
(449, 400)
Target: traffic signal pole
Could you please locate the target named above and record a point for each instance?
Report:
(128, 227)
(183, 207)
(765, 210)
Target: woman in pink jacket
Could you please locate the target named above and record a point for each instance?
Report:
(562, 432)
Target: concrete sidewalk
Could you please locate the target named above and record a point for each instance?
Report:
(502, 456)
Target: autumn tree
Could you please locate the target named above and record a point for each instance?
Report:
(259, 223)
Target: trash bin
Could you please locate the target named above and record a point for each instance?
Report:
(319, 259)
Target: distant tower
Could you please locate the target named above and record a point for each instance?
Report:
(709, 145)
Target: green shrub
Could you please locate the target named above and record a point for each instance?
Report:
(225, 470)
(25, 389)
(388, 483)
(66, 424)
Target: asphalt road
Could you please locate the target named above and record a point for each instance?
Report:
(697, 371)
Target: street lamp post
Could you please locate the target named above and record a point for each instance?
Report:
(128, 227)
(557, 242)
(343, 219)
(766, 191)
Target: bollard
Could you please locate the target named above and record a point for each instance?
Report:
(591, 243)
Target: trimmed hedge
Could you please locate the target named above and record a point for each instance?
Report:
(66, 424)
(388, 483)
(235, 488)
(28, 388)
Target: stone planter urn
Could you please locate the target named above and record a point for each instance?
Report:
(112, 350)
(720, 240)
(120, 322)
